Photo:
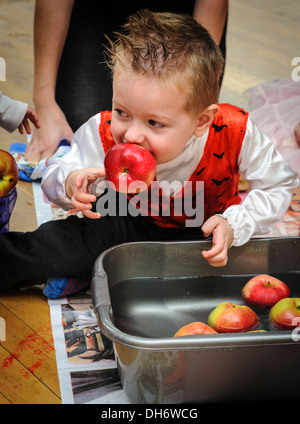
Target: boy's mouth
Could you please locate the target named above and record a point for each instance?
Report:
(136, 144)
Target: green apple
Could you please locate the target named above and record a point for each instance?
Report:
(229, 317)
(286, 313)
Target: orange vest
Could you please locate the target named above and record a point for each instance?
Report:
(218, 169)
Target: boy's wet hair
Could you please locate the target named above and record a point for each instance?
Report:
(170, 46)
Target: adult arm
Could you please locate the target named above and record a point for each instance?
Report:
(51, 24)
(212, 15)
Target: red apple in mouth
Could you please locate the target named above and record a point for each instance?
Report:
(263, 291)
(285, 315)
(228, 317)
(129, 168)
(9, 173)
(194, 328)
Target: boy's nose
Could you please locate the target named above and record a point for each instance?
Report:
(135, 135)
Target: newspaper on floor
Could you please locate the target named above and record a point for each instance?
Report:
(86, 366)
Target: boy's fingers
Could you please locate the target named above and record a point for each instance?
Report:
(79, 181)
(215, 250)
(83, 180)
(209, 225)
(90, 214)
(84, 198)
(219, 259)
(81, 205)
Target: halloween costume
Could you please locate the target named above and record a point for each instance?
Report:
(69, 247)
(217, 166)
(250, 155)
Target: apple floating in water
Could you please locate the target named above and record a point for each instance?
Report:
(263, 291)
(229, 317)
(194, 328)
(285, 314)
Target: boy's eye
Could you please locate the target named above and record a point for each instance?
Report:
(120, 112)
(155, 123)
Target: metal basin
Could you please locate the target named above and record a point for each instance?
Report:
(144, 292)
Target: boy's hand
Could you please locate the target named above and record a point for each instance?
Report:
(222, 239)
(77, 189)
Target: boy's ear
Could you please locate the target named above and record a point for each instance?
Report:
(205, 119)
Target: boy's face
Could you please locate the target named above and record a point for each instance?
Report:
(151, 113)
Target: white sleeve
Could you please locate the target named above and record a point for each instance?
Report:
(271, 183)
(12, 112)
(86, 152)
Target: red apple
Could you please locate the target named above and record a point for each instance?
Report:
(263, 291)
(9, 173)
(286, 313)
(129, 168)
(194, 328)
(231, 318)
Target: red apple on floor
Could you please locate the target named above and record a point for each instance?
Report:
(286, 313)
(228, 317)
(9, 173)
(194, 328)
(263, 291)
(129, 168)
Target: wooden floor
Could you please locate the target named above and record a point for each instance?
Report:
(261, 44)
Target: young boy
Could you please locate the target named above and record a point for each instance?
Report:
(166, 71)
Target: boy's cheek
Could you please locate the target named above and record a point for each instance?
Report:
(116, 132)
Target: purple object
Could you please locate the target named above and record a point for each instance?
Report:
(7, 204)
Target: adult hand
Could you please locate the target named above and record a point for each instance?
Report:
(53, 128)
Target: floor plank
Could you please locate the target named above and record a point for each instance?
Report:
(19, 386)
(29, 340)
